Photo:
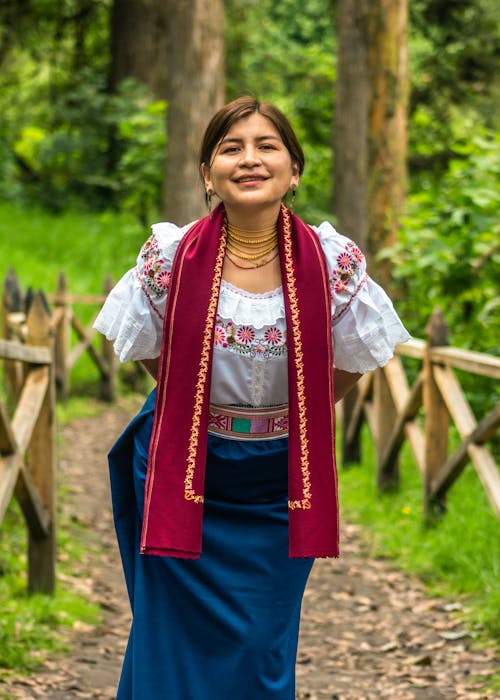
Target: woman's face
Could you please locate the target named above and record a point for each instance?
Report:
(251, 167)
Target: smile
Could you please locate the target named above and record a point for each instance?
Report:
(251, 178)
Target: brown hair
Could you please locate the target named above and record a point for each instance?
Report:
(243, 107)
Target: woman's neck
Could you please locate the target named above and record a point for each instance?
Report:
(253, 221)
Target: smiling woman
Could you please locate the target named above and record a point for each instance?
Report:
(251, 167)
(224, 486)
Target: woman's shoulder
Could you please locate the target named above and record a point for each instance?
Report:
(331, 238)
(162, 243)
(167, 234)
(344, 257)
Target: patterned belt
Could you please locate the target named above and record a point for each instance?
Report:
(236, 423)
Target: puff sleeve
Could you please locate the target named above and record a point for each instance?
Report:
(132, 315)
(366, 327)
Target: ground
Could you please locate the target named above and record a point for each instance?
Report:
(368, 631)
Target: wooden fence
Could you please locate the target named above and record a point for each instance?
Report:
(422, 414)
(66, 327)
(27, 442)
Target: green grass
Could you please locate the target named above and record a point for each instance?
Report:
(458, 557)
(33, 626)
(85, 246)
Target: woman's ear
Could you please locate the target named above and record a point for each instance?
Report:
(205, 173)
(294, 182)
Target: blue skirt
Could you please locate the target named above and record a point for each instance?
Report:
(224, 626)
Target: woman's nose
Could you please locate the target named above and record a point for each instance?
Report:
(250, 156)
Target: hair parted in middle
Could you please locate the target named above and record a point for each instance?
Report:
(243, 107)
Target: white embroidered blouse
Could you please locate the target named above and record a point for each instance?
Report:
(250, 352)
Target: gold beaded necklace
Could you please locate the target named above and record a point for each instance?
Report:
(244, 255)
(251, 248)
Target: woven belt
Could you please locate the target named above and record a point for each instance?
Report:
(237, 423)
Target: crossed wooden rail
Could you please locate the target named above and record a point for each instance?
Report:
(27, 445)
(422, 415)
(64, 324)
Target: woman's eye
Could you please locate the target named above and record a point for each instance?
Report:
(267, 146)
(230, 149)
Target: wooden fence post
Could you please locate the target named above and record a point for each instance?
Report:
(12, 307)
(437, 420)
(351, 449)
(385, 416)
(61, 336)
(42, 459)
(108, 380)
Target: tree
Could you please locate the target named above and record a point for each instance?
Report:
(370, 131)
(350, 144)
(138, 42)
(195, 90)
(370, 134)
(387, 124)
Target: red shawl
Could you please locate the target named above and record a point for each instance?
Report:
(173, 501)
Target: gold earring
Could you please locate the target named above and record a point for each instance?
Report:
(208, 199)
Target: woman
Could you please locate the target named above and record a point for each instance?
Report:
(224, 486)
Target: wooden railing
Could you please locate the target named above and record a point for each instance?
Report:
(72, 338)
(27, 442)
(422, 415)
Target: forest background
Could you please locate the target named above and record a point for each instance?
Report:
(83, 144)
(77, 132)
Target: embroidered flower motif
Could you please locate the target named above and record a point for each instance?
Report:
(357, 253)
(220, 336)
(149, 264)
(344, 261)
(339, 286)
(153, 275)
(348, 262)
(163, 279)
(273, 335)
(245, 334)
(244, 340)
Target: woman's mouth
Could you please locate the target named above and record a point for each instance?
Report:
(249, 179)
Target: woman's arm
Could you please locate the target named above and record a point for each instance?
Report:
(151, 366)
(344, 381)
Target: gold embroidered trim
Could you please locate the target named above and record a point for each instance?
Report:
(305, 501)
(201, 384)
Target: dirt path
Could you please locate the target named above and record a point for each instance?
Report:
(368, 632)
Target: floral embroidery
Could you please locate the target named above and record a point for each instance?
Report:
(348, 262)
(155, 276)
(245, 334)
(220, 336)
(245, 340)
(273, 336)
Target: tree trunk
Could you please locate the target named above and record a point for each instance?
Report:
(139, 43)
(387, 138)
(352, 92)
(195, 90)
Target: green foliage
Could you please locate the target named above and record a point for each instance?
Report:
(455, 52)
(93, 147)
(460, 556)
(448, 252)
(284, 53)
